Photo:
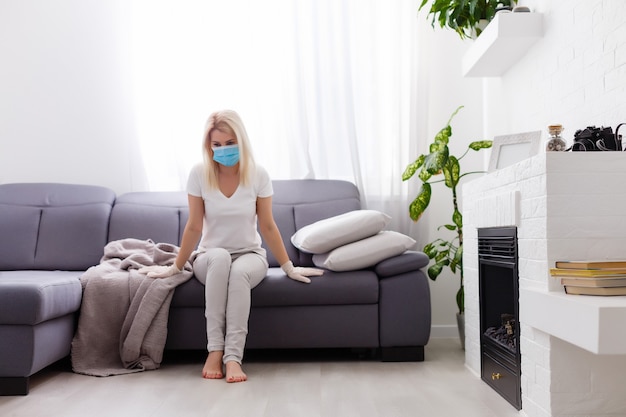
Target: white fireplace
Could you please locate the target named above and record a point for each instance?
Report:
(566, 206)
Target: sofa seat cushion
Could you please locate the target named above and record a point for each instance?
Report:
(332, 288)
(32, 297)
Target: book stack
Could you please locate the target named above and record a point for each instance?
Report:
(592, 277)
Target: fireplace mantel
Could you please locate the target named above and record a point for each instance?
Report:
(593, 323)
(566, 206)
(569, 206)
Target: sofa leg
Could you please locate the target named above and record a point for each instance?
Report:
(13, 386)
(402, 354)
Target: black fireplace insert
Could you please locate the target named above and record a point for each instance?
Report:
(499, 311)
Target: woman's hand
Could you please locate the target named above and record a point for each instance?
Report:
(299, 273)
(160, 271)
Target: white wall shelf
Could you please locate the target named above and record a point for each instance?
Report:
(505, 40)
(589, 322)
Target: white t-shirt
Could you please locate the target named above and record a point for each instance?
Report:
(230, 222)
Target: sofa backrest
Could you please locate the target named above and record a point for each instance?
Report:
(53, 226)
(155, 215)
(161, 216)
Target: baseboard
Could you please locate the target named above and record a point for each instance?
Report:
(444, 331)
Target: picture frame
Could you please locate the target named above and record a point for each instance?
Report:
(510, 149)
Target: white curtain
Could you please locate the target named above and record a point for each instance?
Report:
(326, 88)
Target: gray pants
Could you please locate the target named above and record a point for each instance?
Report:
(228, 281)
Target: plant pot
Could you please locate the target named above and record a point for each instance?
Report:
(482, 24)
(460, 322)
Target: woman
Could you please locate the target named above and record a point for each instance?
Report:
(228, 195)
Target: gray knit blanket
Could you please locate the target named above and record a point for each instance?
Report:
(122, 325)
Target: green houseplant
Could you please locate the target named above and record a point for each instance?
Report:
(446, 252)
(464, 16)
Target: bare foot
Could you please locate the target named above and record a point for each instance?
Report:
(234, 373)
(213, 365)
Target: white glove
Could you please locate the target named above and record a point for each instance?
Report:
(160, 271)
(299, 273)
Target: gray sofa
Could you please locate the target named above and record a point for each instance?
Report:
(51, 233)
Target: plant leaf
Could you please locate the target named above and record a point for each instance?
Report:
(457, 260)
(434, 271)
(421, 202)
(424, 175)
(442, 257)
(443, 136)
(457, 218)
(480, 144)
(430, 251)
(435, 162)
(452, 171)
(412, 168)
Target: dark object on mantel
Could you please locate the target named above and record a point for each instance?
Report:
(597, 139)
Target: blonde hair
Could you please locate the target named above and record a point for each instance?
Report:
(228, 121)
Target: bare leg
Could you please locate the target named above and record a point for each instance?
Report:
(234, 372)
(213, 365)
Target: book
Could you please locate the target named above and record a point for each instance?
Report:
(600, 264)
(595, 291)
(607, 272)
(601, 282)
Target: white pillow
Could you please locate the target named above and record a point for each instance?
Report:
(328, 234)
(365, 253)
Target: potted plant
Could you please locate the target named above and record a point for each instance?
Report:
(445, 251)
(465, 16)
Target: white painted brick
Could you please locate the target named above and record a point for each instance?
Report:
(531, 408)
(596, 205)
(608, 373)
(533, 207)
(532, 249)
(535, 353)
(565, 56)
(614, 79)
(620, 55)
(550, 229)
(540, 396)
(566, 377)
(601, 227)
(533, 229)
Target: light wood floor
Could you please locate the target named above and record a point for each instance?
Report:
(299, 385)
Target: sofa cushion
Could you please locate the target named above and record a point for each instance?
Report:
(330, 233)
(159, 216)
(53, 226)
(19, 227)
(408, 261)
(283, 216)
(366, 252)
(332, 288)
(32, 297)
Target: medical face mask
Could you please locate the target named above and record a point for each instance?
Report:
(226, 155)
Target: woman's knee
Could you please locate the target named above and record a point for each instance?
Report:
(213, 261)
(249, 269)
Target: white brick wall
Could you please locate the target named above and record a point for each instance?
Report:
(574, 75)
(556, 219)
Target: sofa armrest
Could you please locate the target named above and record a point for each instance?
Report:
(406, 262)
